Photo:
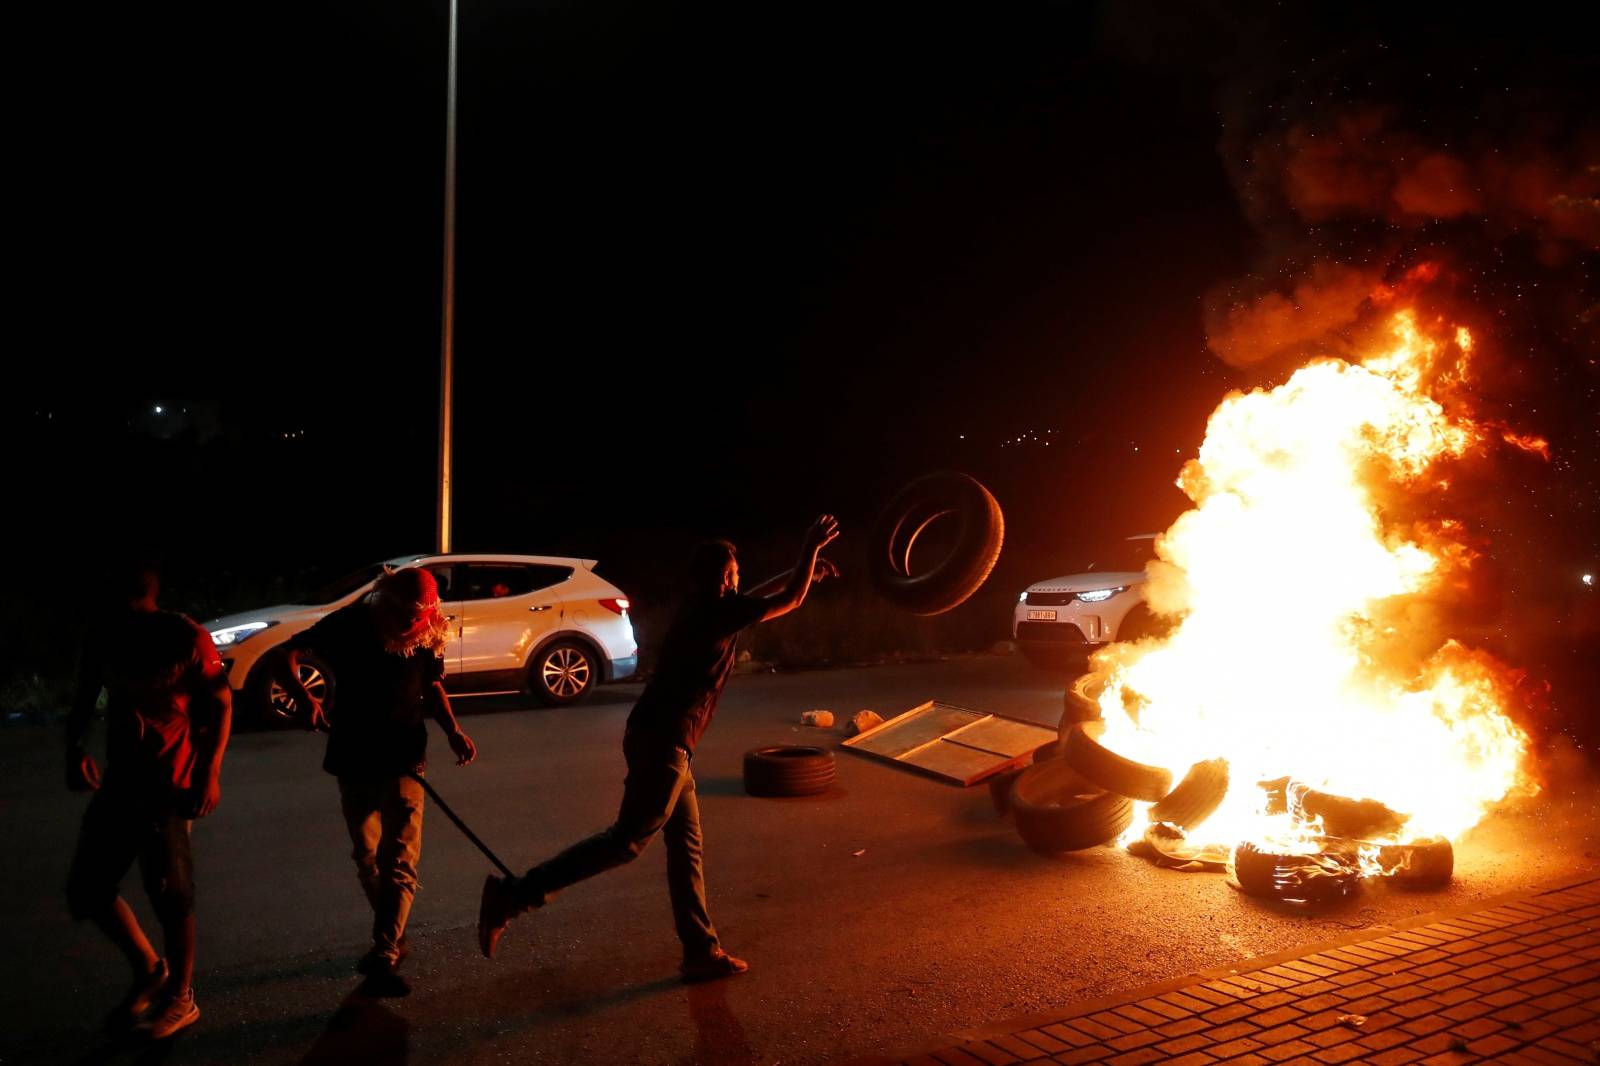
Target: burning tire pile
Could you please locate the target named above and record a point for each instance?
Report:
(1081, 794)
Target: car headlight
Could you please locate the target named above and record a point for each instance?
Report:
(1023, 598)
(1100, 595)
(222, 638)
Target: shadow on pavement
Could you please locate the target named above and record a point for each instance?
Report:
(131, 1049)
(718, 1037)
(361, 1030)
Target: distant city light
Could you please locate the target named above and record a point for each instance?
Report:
(158, 408)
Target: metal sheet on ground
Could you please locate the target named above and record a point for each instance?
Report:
(921, 725)
(954, 744)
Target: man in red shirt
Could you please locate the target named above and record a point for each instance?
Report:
(673, 712)
(168, 713)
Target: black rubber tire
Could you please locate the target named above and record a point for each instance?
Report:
(788, 771)
(1428, 863)
(1000, 784)
(541, 687)
(1057, 811)
(1197, 796)
(958, 575)
(1291, 878)
(1113, 772)
(1076, 706)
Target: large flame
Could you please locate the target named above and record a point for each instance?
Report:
(1289, 657)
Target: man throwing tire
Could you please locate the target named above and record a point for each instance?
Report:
(658, 795)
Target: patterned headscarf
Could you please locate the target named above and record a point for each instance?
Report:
(410, 616)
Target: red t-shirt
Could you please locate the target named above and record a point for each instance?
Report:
(152, 665)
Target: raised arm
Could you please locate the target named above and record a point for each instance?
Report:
(798, 583)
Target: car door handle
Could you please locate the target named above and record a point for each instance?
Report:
(449, 618)
(541, 607)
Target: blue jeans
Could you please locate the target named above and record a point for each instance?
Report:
(657, 797)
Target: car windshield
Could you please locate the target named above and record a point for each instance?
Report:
(1124, 556)
(338, 590)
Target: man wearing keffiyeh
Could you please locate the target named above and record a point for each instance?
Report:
(385, 653)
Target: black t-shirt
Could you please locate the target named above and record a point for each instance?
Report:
(378, 709)
(697, 656)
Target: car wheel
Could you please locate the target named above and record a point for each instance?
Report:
(563, 674)
(788, 771)
(270, 705)
(1110, 771)
(948, 584)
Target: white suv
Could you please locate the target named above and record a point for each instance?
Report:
(1073, 615)
(519, 623)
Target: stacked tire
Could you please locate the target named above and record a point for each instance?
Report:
(1057, 810)
(1085, 798)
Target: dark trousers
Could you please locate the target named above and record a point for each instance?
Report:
(124, 825)
(657, 797)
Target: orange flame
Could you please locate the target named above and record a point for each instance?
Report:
(1282, 576)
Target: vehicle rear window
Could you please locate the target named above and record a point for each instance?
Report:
(487, 581)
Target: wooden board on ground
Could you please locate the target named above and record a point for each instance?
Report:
(954, 744)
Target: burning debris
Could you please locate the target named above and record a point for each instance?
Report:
(1322, 743)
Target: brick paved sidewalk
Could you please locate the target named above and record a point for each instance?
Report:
(1513, 981)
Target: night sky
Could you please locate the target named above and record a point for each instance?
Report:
(721, 268)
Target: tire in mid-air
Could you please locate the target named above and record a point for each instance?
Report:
(979, 532)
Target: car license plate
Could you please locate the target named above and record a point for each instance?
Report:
(1041, 616)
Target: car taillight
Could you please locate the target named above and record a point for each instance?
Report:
(618, 606)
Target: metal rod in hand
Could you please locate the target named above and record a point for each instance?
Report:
(452, 815)
(448, 813)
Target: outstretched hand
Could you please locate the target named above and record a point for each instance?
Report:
(822, 532)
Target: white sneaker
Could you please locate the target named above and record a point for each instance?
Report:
(172, 1014)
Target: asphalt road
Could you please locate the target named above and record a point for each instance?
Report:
(891, 910)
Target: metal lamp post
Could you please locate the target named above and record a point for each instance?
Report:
(448, 318)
